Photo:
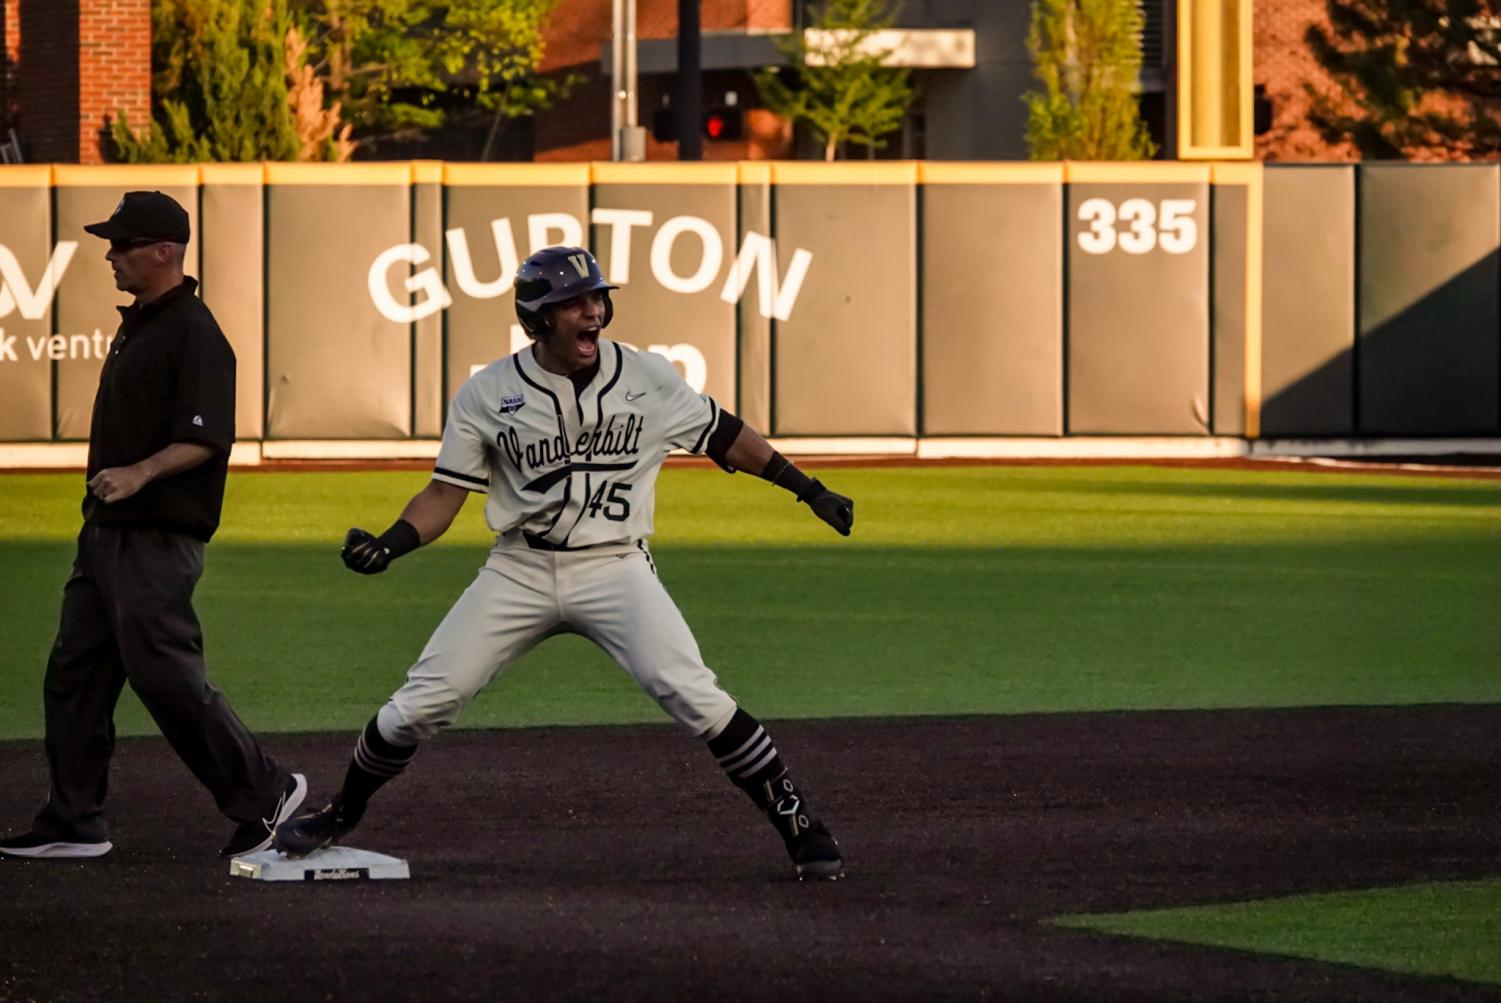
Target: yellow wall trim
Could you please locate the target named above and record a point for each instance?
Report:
(754, 172)
(25, 175)
(664, 173)
(844, 172)
(125, 176)
(516, 175)
(427, 172)
(233, 174)
(399, 174)
(1144, 172)
(960, 173)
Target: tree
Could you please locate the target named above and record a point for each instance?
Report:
(319, 129)
(1417, 79)
(502, 42)
(840, 84)
(400, 65)
(219, 85)
(1086, 54)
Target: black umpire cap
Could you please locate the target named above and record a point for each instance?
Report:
(143, 216)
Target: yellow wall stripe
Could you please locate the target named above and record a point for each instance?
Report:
(844, 172)
(960, 173)
(664, 173)
(25, 175)
(427, 172)
(1250, 174)
(516, 175)
(1144, 172)
(1254, 219)
(754, 172)
(233, 174)
(398, 174)
(125, 176)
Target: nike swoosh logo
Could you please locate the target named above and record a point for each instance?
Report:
(630, 396)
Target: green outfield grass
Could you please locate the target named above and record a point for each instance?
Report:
(984, 590)
(1451, 929)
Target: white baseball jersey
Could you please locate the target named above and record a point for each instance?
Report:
(577, 467)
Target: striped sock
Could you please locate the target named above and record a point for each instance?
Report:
(375, 761)
(747, 755)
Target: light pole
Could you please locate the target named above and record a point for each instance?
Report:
(627, 139)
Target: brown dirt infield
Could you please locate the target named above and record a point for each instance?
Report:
(617, 864)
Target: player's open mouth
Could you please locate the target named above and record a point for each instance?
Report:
(588, 342)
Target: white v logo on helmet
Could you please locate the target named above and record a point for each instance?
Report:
(579, 264)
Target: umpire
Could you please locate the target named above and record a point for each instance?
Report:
(159, 447)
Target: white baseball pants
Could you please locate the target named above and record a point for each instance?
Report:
(521, 596)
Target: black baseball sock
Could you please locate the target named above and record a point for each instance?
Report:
(747, 756)
(375, 761)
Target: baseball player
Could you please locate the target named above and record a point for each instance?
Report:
(565, 439)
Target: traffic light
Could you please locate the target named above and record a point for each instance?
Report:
(664, 124)
(724, 122)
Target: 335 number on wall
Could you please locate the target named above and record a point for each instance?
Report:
(1137, 226)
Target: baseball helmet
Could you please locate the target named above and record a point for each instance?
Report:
(555, 275)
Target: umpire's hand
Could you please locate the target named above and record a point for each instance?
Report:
(363, 553)
(833, 508)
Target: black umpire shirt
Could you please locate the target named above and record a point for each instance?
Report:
(169, 377)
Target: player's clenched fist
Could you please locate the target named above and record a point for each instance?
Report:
(833, 508)
(363, 553)
(370, 555)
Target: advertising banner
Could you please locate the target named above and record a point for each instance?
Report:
(30, 266)
(665, 233)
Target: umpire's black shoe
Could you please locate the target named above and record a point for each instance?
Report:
(317, 829)
(811, 846)
(29, 844)
(251, 837)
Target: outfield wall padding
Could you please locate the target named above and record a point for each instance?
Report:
(1231, 205)
(1138, 302)
(429, 402)
(233, 250)
(494, 216)
(1429, 304)
(992, 300)
(665, 235)
(25, 369)
(875, 299)
(845, 363)
(1308, 302)
(753, 362)
(336, 368)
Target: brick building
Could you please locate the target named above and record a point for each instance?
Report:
(579, 34)
(70, 66)
(1283, 65)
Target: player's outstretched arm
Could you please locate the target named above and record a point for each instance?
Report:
(426, 517)
(749, 450)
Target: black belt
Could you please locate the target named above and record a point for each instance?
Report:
(538, 543)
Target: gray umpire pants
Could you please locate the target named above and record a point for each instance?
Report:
(127, 614)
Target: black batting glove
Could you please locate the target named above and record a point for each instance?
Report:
(833, 508)
(370, 555)
(363, 553)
